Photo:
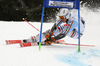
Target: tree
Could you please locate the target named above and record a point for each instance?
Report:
(15, 10)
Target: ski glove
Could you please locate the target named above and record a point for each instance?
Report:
(50, 41)
(48, 35)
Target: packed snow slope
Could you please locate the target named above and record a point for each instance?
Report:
(53, 55)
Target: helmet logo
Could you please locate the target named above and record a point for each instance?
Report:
(64, 11)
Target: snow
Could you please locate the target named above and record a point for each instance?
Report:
(53, 55)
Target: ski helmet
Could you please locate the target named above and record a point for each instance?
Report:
(64, 13)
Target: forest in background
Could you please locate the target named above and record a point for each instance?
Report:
(15, 10)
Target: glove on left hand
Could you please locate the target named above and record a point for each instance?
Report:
(49, 41)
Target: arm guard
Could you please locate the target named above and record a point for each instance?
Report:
(60, 36)
(53, 28)
(58, 22)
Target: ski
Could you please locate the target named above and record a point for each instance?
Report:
(36, 43)
(19, 41)
(8, 42)
(27, 44)
(13, 41)
(74, 44)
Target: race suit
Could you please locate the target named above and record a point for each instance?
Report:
(61, 29)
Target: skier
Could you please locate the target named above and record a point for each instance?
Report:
(66, 25)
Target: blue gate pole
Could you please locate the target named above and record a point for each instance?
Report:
(79, 29)
(41, 28)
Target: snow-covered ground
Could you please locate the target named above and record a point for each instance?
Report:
(53, 55)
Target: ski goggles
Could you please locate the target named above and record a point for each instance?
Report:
(61, 17)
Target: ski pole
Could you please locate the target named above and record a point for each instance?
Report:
(75, 44)
(31, 24)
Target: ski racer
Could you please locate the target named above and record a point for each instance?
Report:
(66, 25)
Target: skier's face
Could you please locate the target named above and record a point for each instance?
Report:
(63, 19)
